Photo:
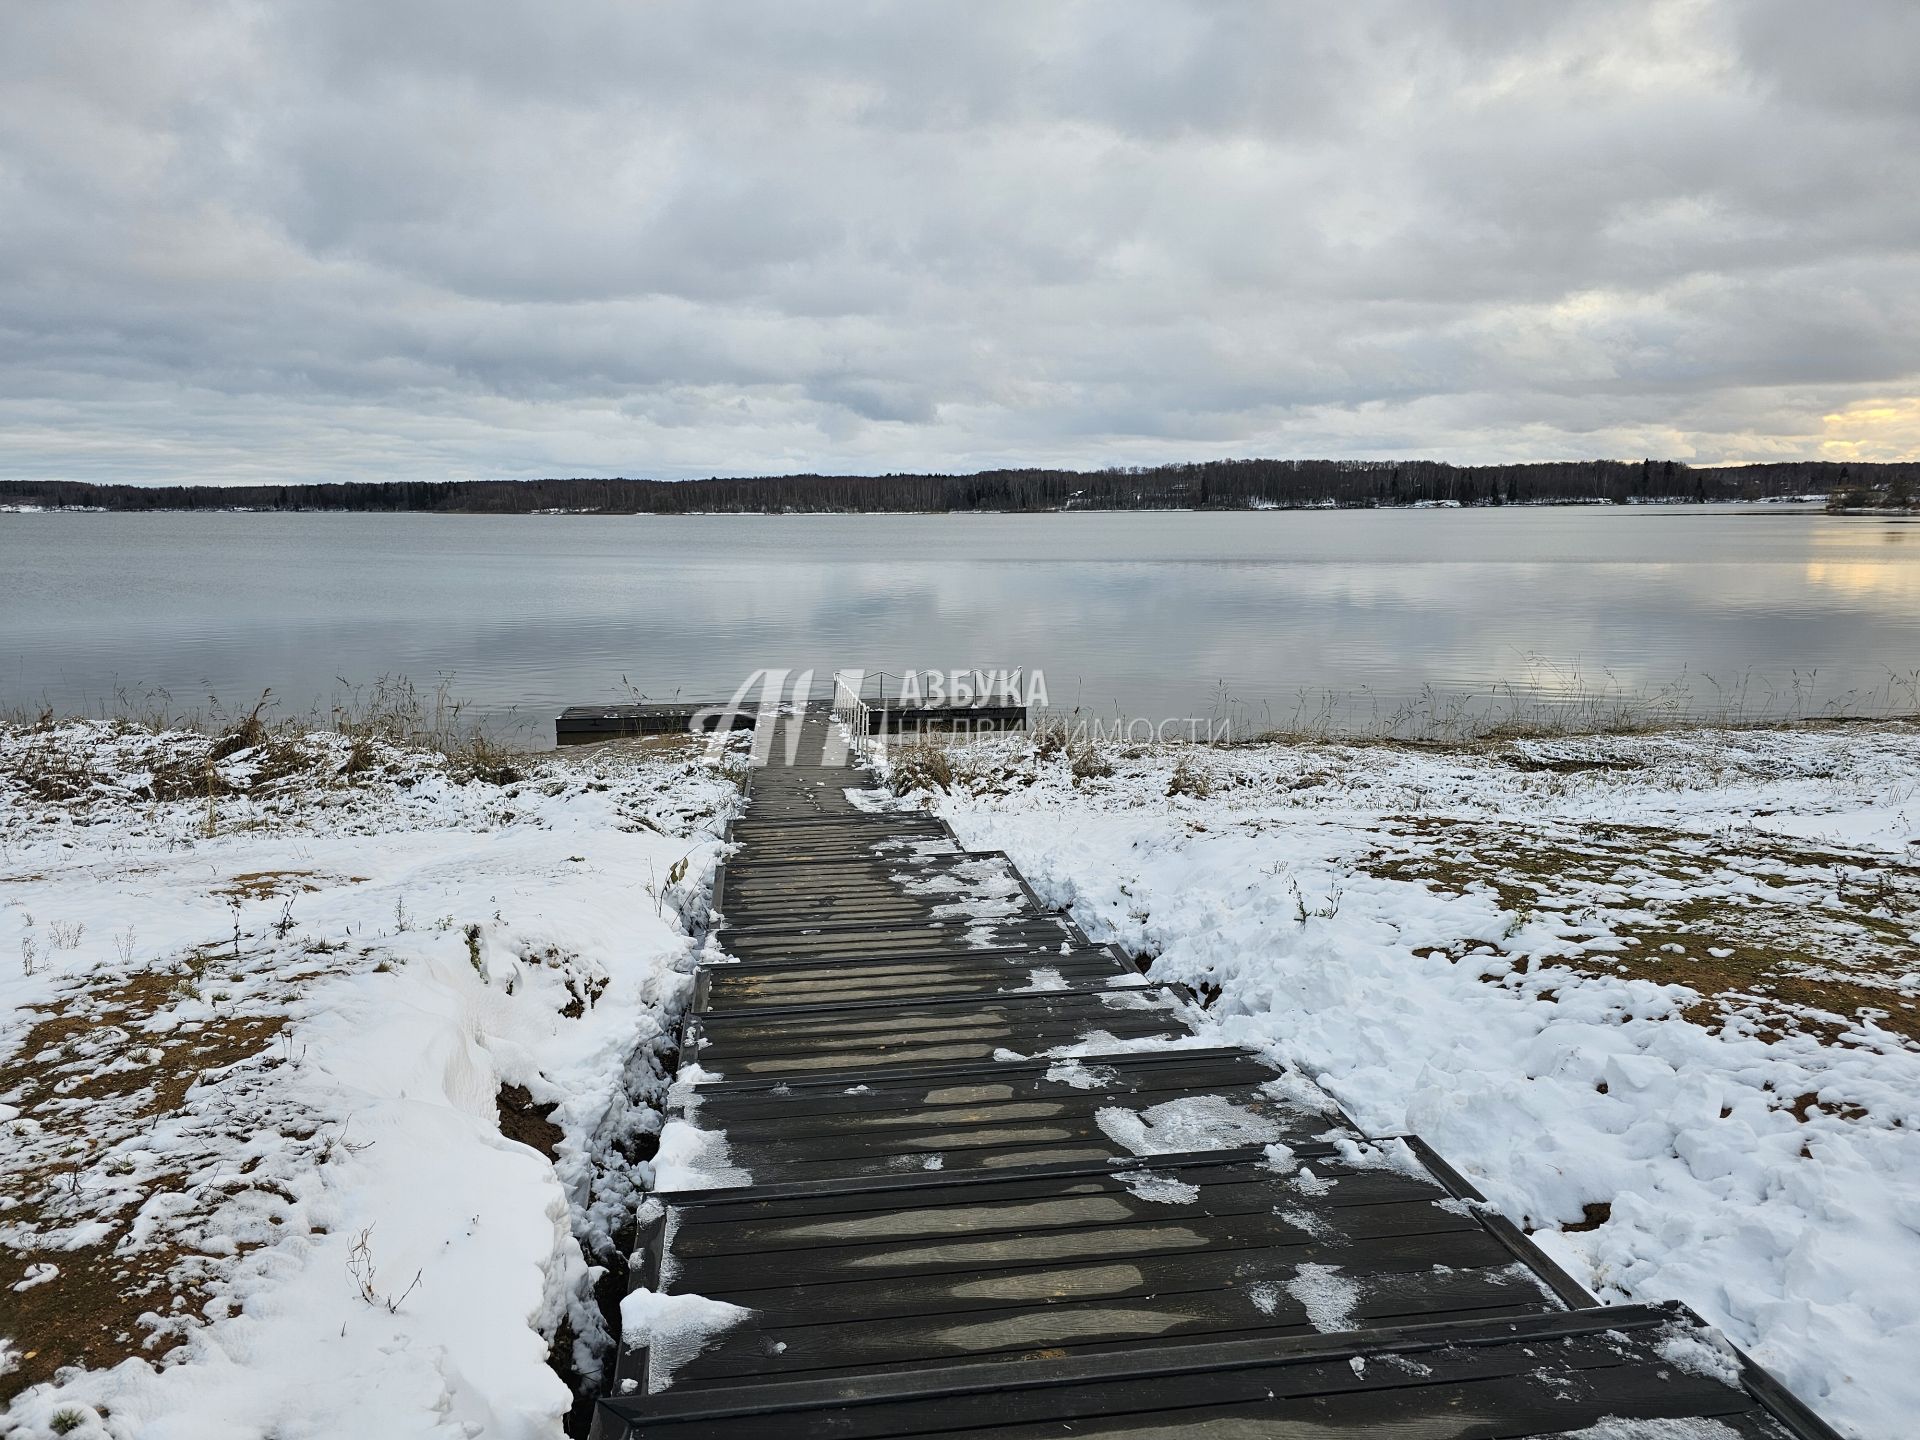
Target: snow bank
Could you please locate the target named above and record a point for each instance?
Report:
(344, 1239)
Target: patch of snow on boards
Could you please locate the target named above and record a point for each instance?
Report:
(1614, 1427)
(445, 939)
(1082, 1076)
(1553, 1088)
(1158, 1189)
(693, 1159)
(1189, 1123)
(673, 1329)
(1326, 1295)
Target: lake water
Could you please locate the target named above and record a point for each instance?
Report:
(1262, 616)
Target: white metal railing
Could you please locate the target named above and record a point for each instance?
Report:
(861, 696)
(850, 710)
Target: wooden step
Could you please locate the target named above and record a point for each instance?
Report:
(1517, 1378)
(999, 1117)
(846, 1280)
(872, 1038)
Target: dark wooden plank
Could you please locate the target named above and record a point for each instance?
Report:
(879, 1037)
(995, 1118)
(817, 841)
(784, 942)
(878, 823)
(869, 1056)
(803, 984)
(799, 1100)
(1537, 1376)
(1133, 996)
(1184, 1248)
(597, 722)
(954, 875)
(1400, 1276)
(958, 955)
(887, 1228)
(865, 1025)
(856, 910)
(1133, 1302)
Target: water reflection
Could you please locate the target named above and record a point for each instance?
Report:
(1137, 614)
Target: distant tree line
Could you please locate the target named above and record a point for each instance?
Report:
(1209, 485)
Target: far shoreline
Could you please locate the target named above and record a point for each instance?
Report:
(1794, 505)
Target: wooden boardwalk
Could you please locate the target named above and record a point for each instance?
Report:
(974, 1177)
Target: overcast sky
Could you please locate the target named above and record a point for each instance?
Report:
(368, 239)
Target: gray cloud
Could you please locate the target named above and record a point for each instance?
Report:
(244, 241)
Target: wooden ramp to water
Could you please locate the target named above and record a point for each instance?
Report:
(970, 1175)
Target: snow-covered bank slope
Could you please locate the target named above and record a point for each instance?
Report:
(251, 1055)
(1655, 995)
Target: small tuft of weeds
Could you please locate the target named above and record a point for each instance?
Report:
(1188, 781)
(1087, 762)
(924, 766)
(1302, 912)
(361, 1268)
(248, 732)
(484, 759)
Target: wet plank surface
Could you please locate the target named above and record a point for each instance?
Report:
(1549, 1375)
(1184, 1247)
(1012, 1115)
(854, 939)
(969, 1174)
(826, 981)
(867, 1037)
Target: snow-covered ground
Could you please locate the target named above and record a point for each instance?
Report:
(263, 1021)
(279, 1034)
(1656, 995)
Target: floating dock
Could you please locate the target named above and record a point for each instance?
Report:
(584, 724)
(964, 1172)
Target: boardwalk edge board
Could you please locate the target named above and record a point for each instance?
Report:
(1268, 1278)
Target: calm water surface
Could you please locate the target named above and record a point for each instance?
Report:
(1137, 614)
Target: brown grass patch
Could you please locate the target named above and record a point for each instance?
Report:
(92, 1080)
(1810, 939)
(265, 884)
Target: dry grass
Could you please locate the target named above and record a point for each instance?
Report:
(265, 884)
(91, 1080)
(1557, 702)
(207, 756)
(1188, 780)
(1792, 937)
(924, 765)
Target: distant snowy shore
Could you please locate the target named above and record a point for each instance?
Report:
(1656, 995)
(328, 1070)
(1810, 503)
